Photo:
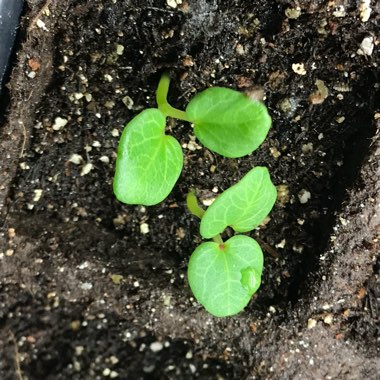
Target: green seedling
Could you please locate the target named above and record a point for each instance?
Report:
(223, 276)
(149, 162)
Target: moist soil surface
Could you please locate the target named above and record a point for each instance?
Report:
(91, 288)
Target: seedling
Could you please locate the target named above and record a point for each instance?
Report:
(224, 275)
(149, 162)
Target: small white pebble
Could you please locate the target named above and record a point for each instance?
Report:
(193, 146)
(128, 101)
(114, 374)
(299, 68)
(114, 360)
(339, 11)
(366, 47)
(108, 78)
(41, 25)
(115, 133)
(77, 366)
(304, 196)
(76, 159)
(37, 195)
(86, 286)
(59, 123)
(311, 323)
(274, 152)
(106, 372)
(365, 10)
(240, 49)
(208, 202)
(96, 144)
(104, 159)
(156, 346)
(119, 49)
(328, 319)
(293, 13)
(144, 228)
(86, 169)
(171, 3)
(109, 104)
(11, 233)
(307, 148)
(9, 252)
(31, 74)
(298, 248)
(166, 300)
(79, 350)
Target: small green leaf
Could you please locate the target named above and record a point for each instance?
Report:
(148, 161)
(228, 122)
(223, 277)
(243, 206)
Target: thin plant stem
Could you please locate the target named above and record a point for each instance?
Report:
(218, 239)
(192, 204)
(195, 209)
(162, 102)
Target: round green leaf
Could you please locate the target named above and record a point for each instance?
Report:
(228, 122)
(223, 278)
(148, 161)
(243, 206)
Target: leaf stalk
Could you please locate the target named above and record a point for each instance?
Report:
(196, 210)
(162, 102)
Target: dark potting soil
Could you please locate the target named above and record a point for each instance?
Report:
(92, 289)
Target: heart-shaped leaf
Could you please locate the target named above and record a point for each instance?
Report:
(228, 122)
(243, 206)
(148, 161)
(223, 277)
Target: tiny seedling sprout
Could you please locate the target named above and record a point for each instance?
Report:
(149, 162)
(223, 275)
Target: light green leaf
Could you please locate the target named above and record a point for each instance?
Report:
(223, 278)
(228, 122)
(148, 161)
(243, 206)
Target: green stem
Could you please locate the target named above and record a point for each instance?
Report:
(195, 209)
(218, 239)
(192, 204)
(161, 98)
